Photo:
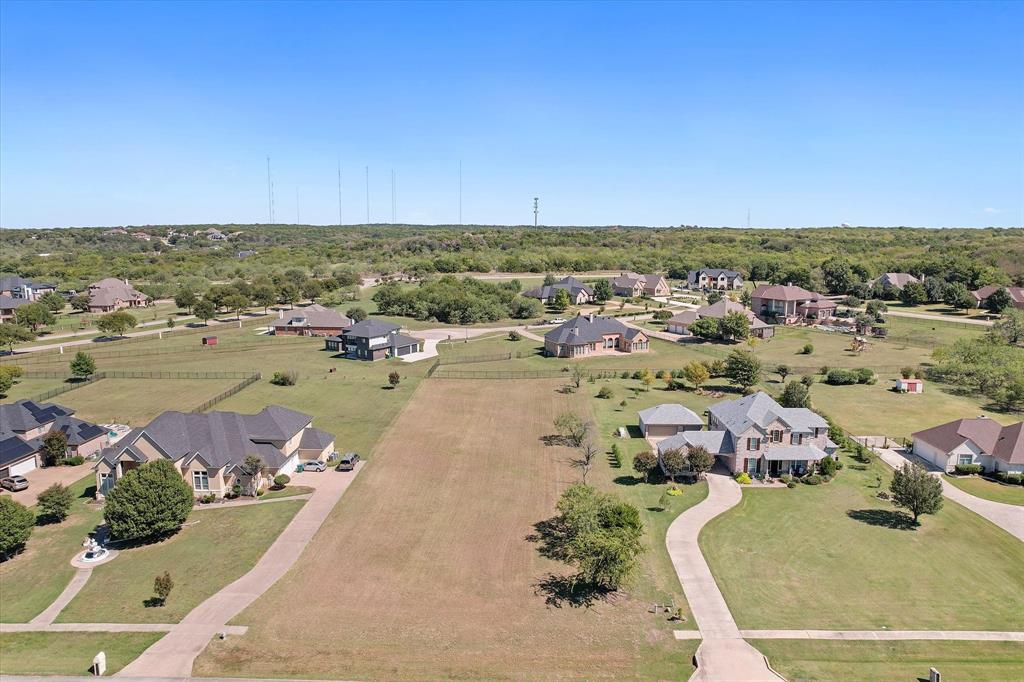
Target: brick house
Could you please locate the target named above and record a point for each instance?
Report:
(680, 323)
(1016, 295)
(20, 288)
(714, 278)
(587, 335)
(788, 304)
(579, 293)
(112, 294)
(636, 286)
(24, 423)
(973, 441)
(313, 320)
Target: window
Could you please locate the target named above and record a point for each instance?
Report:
(796, 438)
(966, 459)
(776, 436)
(106, 483)
(753, 444)
(752, 465)
(200, 480)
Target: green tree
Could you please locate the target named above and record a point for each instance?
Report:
(644, 462)
(562, 300)
(913, 293)
(356, 314)
(1011, 396)
(83, 365)
(80, 302)
(696, 373)
(204, 310)
(675, 462)
(149, 500)
(958, 297)
(33, 316)
(11, 333)
(55, 447)
(796, 394)
(734, 325)
(53, 301)
(603, 290)
(1009, 329)
(782, 371)
(55, 502)
(312, 289)
(876, 308)
(264, 295)
(185, 298)
(743, 369)
(116, 323)
(252, 468)
(838, 275)
(162, 586)
(16, 523)
(699, 460)
(288, 293)
(714, 296)
(394, 378)
(236, 303)
(549, 279)
(705, 328)
(916, 490)
(8, 377)
(998, 301)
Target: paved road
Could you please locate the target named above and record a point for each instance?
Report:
(1009, 517)
(431, 337)
(723, 655)
(175, 653)
(938, 318)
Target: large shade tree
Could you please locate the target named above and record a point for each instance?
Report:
(148, 501)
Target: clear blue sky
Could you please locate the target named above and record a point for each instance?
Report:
(655, 114)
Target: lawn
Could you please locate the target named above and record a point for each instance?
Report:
(989, 490)
(801, 660)
(828, 557)
(290, 491)
(435, 532)
(137, 401)
(33, 579)
(69, 653)
(215, 547)
(28, 387)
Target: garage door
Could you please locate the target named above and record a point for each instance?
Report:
(404, 350)
(22, 468)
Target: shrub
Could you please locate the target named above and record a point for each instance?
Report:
(968, 469)
(791, 484)
(907, 372)
(281, 480)
(813, 479)
(55, 502)
(207, 498)
(16, 523)
(514, 336)
(606, 392)
(882, 495)
(807, 349)
(624, 375)
(149, 500)
(288, 377)
(842, 377)
(827, 466)
(261, 492)
(674, 491)
(162, 587)
(807, 380)
(73, 461)
(785, 478)
(743, 478)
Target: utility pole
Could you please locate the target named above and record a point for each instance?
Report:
(339, 192)
(367, 195)
(536, 210)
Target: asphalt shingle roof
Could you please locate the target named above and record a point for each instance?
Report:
(1005, 443)
(314, 315)
(584, 329)
(759, 410)
(670, 414)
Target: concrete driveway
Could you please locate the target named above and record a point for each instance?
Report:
(41, 479)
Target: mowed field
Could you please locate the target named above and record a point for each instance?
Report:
(424, 569)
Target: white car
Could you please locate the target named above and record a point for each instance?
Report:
(557, 320)
(315, 465)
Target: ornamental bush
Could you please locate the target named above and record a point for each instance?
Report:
(842, 377)
(813, 479)
(149, 500)
(743, 478)
(968, 469)
(281, 480)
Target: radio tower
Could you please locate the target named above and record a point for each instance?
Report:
(536, 210)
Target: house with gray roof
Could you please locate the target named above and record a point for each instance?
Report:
(668, 419)
(757, 435)
(16, 287)
(680, 322)
(208, 448)
(9, 306)
(714, 278)
(372, 339)
(895, 281)
(313, 320)
(588, 335)
(110, 294)
(579, 293)
(634, 285)
(24, 424)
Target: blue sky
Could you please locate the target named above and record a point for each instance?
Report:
(651, 114)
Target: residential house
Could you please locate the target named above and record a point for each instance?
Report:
(895, 281)
(208, 448)
(579, 293)
(977, 440)
(112, 294)
(9, 305)
(788, 304)
(313, 320)
(372, 340)
(680, 323)
(714, 278)
(668, 419)
(757, 435)
(635, 286)
(23, 289)
(142, 236)
(1016, 295)
(587, 335)
(24, 423)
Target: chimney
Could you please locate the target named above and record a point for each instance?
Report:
(590, 316)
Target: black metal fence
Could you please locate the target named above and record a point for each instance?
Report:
(249, 381)
(467, 359)
(70, 386)
(249, 377)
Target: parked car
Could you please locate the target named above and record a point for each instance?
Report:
(557, 320)
(348, 462)
(14, 483)
(315, 465)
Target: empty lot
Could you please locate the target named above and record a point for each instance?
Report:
(423, 570)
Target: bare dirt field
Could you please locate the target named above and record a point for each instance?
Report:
(423, 570)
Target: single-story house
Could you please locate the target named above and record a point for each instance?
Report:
(977, 440)
(24, 423)
(313, 320)
(668, 419)
(9, 305)
(680, 323)
(757, 435)
(579, 293)
(21, 288)
(372, 340)
(208, 448)
(1016, 295)
(789, 304)
(586, 335)
(112, 294)
(714, 278)
(895, 281)
(910, 385)
(634, 285)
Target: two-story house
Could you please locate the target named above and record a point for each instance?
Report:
(757, 435)
(24, 424)
(23, 289)
(372, 340)
(208, 448)
(714, 278)
(636, 286)
(586, 335)
(789, 304)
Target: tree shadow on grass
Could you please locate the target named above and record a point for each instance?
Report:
(553, 439)
(886, 518)
(627, 480)
(569, 590)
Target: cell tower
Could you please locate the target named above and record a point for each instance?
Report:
(536, 210)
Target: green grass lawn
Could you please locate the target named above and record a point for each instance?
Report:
(215, 547)
(290, 491)
(825, 557)
(69, 653)
(989, 490)
(28, 387)
(801, 660)
(33, 579)
(932, 332)
(137, 401)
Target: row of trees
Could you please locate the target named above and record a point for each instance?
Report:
(456, 300)
(992, 367)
